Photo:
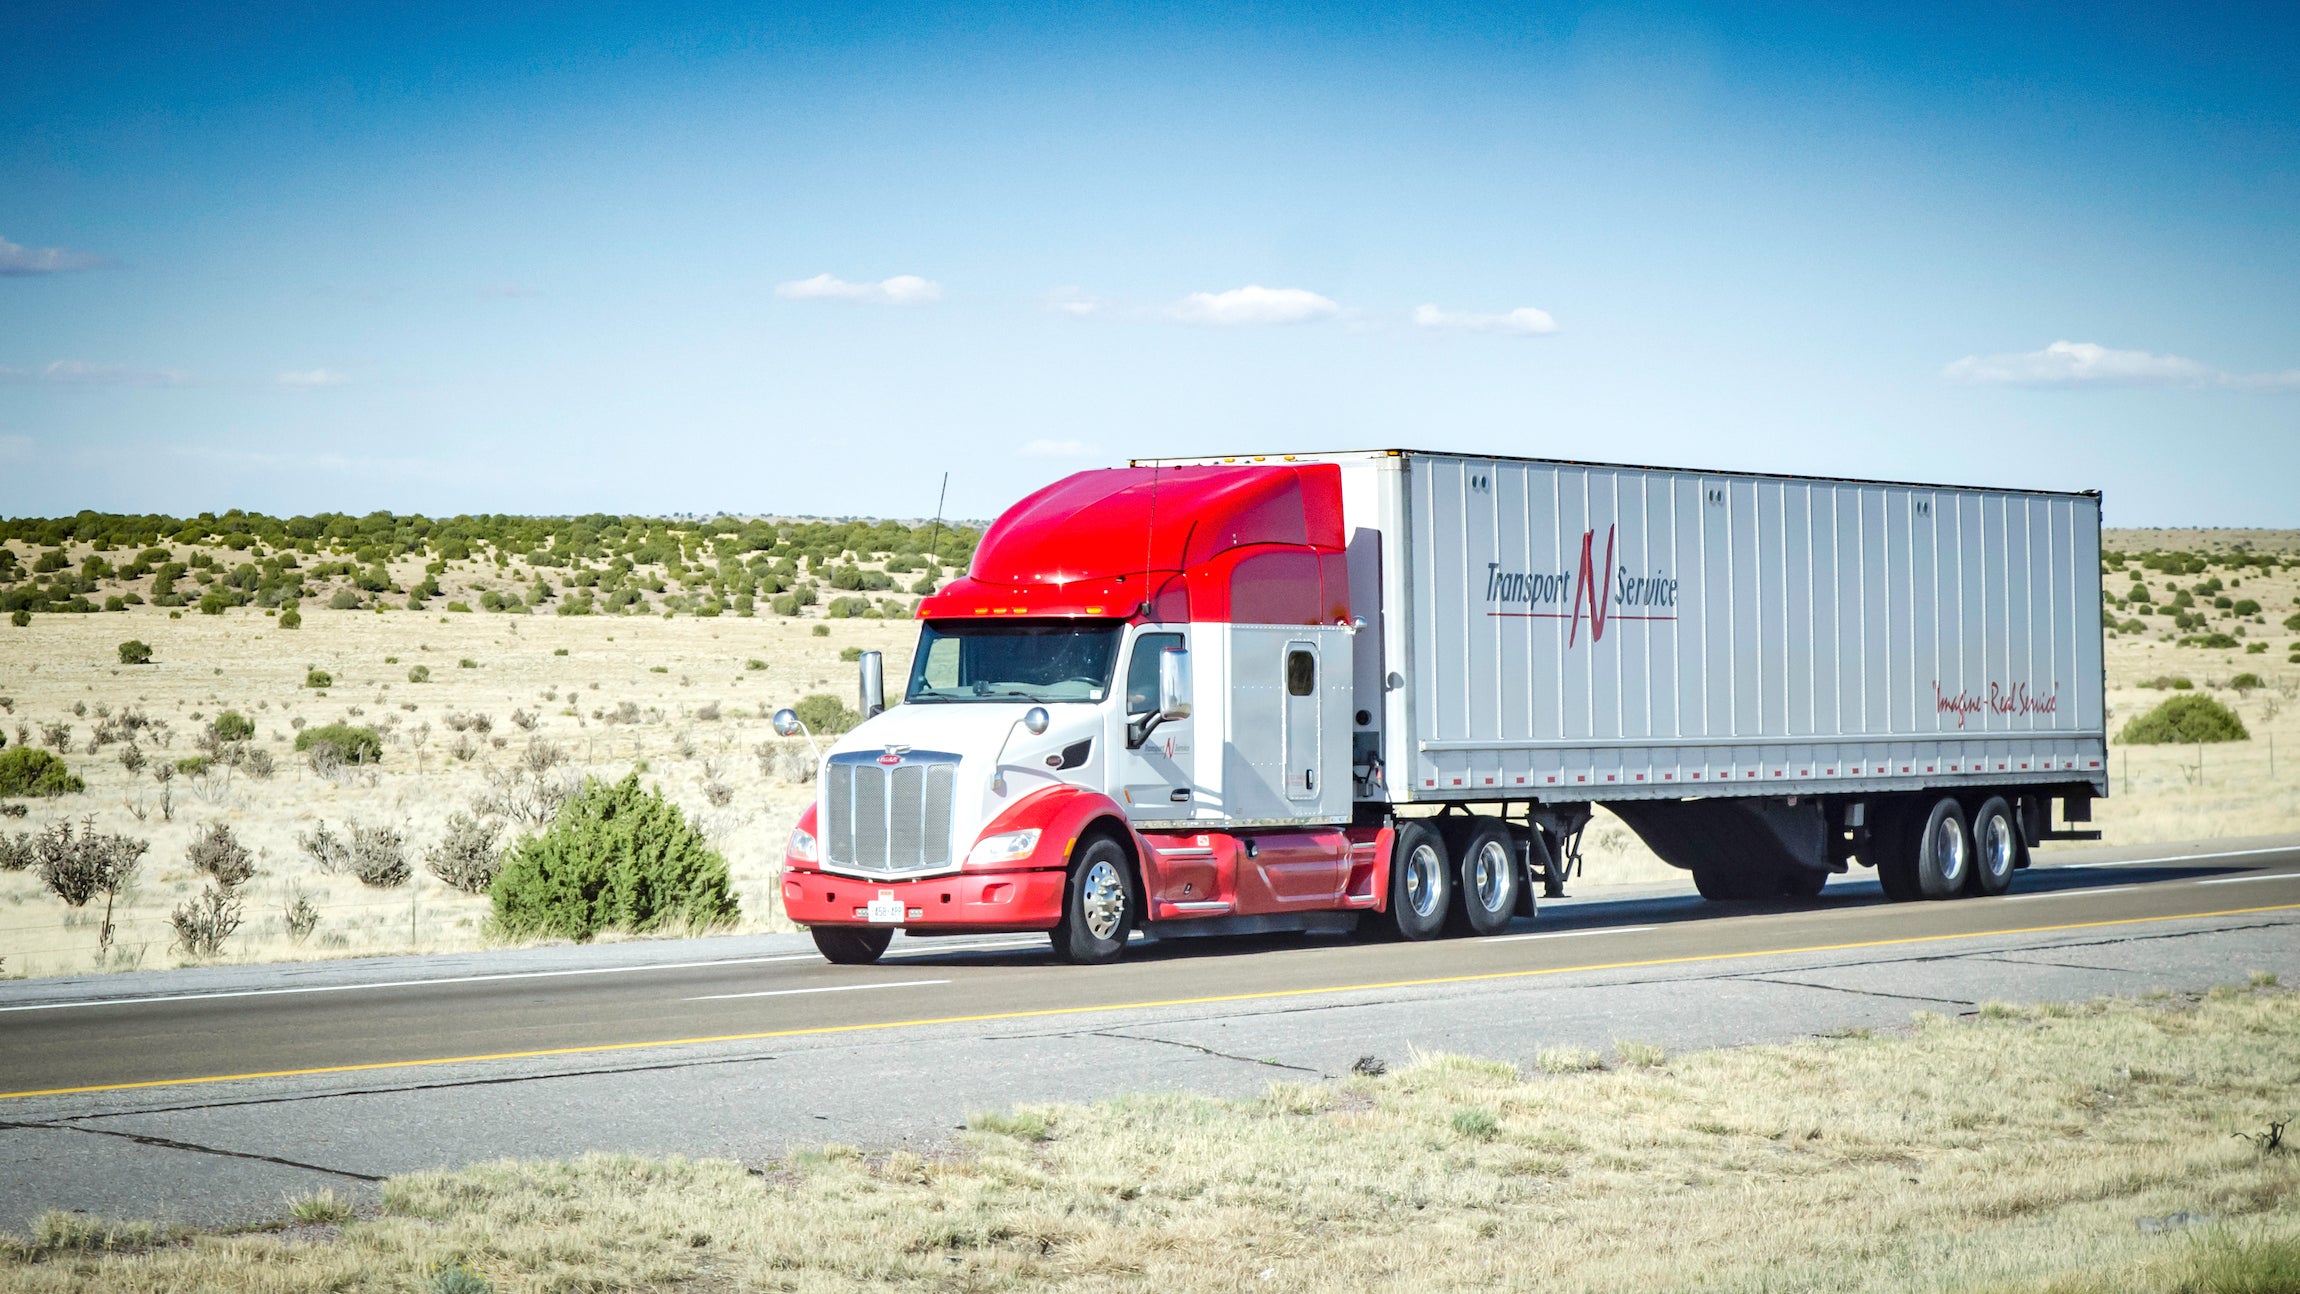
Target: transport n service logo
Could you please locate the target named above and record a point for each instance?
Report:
(1602, 592)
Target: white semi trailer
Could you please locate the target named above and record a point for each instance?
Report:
(1242, 693)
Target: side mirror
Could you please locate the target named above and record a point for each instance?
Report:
(1174, 684)
(1036, 719)
(873, 669)
(787, 723)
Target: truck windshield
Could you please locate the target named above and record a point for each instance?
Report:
(1012, 660)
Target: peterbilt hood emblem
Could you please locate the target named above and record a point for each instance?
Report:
(893, 755)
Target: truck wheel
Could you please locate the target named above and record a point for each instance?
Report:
(1421, 882)
(851, 947)
(1892, 849)
(1098, 906)
(1487, 879)
(1944, 853)
(1996, 847)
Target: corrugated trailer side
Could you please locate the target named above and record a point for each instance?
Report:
(1611, 633)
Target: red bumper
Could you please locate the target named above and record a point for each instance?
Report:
(962, 903)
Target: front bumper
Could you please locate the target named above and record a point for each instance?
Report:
(960, 903)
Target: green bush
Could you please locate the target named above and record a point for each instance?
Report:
(823, 714)
(822, 631)
(615, 857)
(318, 678)
(2292, 622)
(463, 608)
(419, 674)
(344, 600)
(2214, 641)
(2246, 682)
(850, 653)
(28, 770)
(2184, 720)
(135, 651)
(20, 618)
(291, 619)
(231, 725)
(352, 745)
(2247, 607)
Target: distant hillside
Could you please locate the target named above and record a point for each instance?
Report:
(2201, 540)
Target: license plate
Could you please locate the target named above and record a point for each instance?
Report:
(884, 911)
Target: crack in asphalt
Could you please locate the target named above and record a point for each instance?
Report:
(1860, 992)
(169, 1143)
(1206, 1051)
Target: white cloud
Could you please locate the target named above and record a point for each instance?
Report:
(79, 372)
(2084, 363)
(19, 261)
(304, 379)
(1252, 305)
(1525, 321)
(901, 290)
(1074, 302)
(1057, 449)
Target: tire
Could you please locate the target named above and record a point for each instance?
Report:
(1892, 851)
(1099, 905)
(1727, 884)
(846, 946)
(1996, 839)
(1944, 852)
(1801, 882)
(1486, 880)
(1421, 882)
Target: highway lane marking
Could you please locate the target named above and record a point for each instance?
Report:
(505, 975)
(1567, 934)
(2179, 858)
(2246, 880)
(1044, 1012)
(827, 988)
(2073, 889)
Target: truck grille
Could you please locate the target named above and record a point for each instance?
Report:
(888, 820)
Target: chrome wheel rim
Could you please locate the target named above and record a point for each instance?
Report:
(1104, 899)
(1490, 873)
(1997, 847)
(1422, 870)
(1949, 852)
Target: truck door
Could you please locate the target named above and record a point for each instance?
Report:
(1154, 777)
(1303, 739)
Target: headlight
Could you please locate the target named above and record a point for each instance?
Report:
(1006, 847)
(803, 847)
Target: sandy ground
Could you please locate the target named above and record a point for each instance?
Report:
(240, 660)
(63, 669)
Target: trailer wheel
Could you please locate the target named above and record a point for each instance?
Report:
(1487, 879)
(1802, 882)
(1421, 882)
(847, 947)
(1944, 853)
(1098, 906)
(1729, 884)
(1996, 847)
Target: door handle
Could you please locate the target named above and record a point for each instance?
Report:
(1309, 779)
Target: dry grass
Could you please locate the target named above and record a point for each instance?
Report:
(2009, 1151)
(240, 661)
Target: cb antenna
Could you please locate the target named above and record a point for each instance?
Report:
(1150, 542)
(934, 544)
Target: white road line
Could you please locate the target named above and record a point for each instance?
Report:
(1568, 934)
(830, 988)
(409, 983)
(2080, 889)
(2243, 880)
(2178, 858)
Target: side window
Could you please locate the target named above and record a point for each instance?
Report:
(1301, 672)
(1142, 672)
(941, 670)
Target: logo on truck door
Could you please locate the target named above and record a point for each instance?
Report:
(1601, 591)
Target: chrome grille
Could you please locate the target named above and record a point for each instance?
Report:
(889, 820)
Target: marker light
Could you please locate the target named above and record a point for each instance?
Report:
(1006, 847)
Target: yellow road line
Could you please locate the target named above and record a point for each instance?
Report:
(1267, 995)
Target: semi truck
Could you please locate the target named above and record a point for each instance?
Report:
(1385, 691)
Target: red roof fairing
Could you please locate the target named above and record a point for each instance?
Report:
(1188, 541)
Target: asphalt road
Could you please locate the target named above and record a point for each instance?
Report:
(208, 1095)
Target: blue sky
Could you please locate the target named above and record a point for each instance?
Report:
(685, 258)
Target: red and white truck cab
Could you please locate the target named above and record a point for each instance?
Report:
(1134, 708)
(1287, 692)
